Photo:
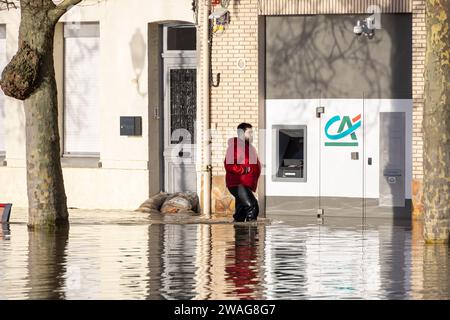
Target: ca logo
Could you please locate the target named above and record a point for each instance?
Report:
(346, 128)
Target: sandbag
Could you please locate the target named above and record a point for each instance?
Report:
(186, 202)
(193, 199)
(154, 203)
(178, 203)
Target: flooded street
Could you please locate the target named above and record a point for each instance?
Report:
(290, 258)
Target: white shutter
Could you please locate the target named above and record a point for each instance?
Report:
(81, 90)
(2, 96)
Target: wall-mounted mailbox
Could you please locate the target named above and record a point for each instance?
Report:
(131, 126)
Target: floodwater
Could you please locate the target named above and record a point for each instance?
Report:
(120, 257)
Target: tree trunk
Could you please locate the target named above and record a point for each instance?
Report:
(436, 123)
(46, 194)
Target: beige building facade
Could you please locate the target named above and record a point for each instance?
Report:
(101, 66)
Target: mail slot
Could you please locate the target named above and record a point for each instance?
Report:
(130, 126)
(290, 149)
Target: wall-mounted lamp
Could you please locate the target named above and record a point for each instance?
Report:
(220, 18)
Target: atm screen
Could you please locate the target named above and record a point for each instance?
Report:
(290, 162)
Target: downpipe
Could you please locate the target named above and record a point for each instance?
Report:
(206, 139)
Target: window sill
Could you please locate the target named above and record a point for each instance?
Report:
(81, 162)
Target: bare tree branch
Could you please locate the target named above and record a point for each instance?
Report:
(7, 4)
(66, 4)
(62, 8)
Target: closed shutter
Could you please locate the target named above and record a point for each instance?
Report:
(2, 96)
(81, 89)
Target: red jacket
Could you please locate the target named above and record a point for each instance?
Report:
(241, 167)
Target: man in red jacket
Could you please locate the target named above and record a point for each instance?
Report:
(242, 173)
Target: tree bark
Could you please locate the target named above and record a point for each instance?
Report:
(436, 123)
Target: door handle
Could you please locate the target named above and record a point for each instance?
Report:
(185, 154)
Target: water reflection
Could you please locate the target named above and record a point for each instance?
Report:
(243, 265)
(179, 261)
(4, 231)
(342, 259)
(430, 271)
(47, 264)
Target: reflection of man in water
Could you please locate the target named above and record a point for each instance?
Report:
(242, 173)
(241, 268)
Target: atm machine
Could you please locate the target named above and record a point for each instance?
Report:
(290, 152)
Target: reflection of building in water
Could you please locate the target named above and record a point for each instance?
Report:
(225, 261)
(206, 262)
(395, 251)
(179, 254)
(342, 263)
(285, 273)
(13, 262)
(108, 263)
(210, 276)
(155, 264)
(179, 262)
(321, 263)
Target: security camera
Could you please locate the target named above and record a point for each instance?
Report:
(358, 29)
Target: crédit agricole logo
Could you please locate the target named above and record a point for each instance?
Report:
(347, 127)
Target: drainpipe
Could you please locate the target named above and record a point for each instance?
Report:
(206, 140)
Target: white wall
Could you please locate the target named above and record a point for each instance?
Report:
(122, 182)
(340, 176)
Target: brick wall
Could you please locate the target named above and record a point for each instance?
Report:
(235, 57)
(235, 100)
(419, 46)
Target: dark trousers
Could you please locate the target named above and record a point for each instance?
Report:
(247, 208)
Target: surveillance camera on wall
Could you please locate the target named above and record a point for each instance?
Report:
(358, 29)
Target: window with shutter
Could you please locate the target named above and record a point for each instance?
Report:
(81, 89)
(2, 96)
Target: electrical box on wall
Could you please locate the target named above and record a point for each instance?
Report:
(131, 126)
